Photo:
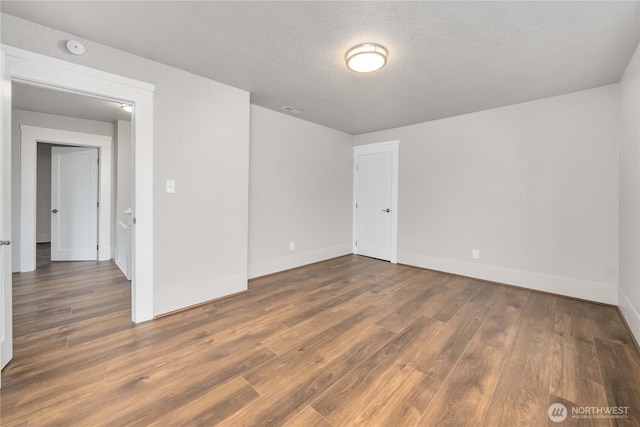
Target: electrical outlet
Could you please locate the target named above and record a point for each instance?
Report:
(475, 254)
(292, 246)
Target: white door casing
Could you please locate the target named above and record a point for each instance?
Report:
(29, 137)
(6, 313)
(375, 214)
(74, 204)
(33, 68)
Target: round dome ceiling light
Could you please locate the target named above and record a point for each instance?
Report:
(366, 58)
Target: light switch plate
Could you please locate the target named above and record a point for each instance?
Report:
(170, 186)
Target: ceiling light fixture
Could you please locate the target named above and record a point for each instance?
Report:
(366, 57)
(126, 107)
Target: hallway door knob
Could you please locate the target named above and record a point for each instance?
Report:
(5, 242)
(54, 210)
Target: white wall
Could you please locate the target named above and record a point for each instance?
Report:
(300, 191)
(630, 195)
(201, 140)
(20, 117)
(122, 197)
(533, 187)
(123, 170)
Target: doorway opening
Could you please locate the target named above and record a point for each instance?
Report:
(31, 136)
(27, 67)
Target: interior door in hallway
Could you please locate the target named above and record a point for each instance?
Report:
(74, 204)
(374, 204)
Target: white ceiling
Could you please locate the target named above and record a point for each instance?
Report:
(445, 58)
(42, 100)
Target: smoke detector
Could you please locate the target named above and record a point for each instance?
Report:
(75, 47)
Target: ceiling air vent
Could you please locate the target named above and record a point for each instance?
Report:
(292, 110)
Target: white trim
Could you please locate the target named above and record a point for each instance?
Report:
(39, 69)
(20, 69)
(6, 252)
(379, 147)
(123, 255)
(297, 259)
(29, 138)
(577, 288)
(630, 314)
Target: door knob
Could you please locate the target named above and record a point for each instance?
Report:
(386, 210)
(5, 242)
(54, 210)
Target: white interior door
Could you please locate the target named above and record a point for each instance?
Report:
(74, 204)
(6, 313)
(374, 204)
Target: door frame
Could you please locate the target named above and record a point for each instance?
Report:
(6, 294)
(392, 147)
(30, 136)
(33, 68)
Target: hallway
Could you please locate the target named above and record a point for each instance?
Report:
(65, 304)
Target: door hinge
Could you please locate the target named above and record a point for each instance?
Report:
(357, 168)
(97, 247)
(356, 243)
(98, 204)
(356, 205)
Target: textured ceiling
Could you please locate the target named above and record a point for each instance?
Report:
(446, 58)
(41, 100)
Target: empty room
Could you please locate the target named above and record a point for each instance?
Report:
(320, 213)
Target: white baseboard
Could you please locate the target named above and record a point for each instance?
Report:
(197, 293)
(578, 288)
(122, 268)
(296, 259)
(630, 314)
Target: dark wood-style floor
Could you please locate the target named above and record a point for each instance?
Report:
(349, 341)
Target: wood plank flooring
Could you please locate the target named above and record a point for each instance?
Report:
(349, 341)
